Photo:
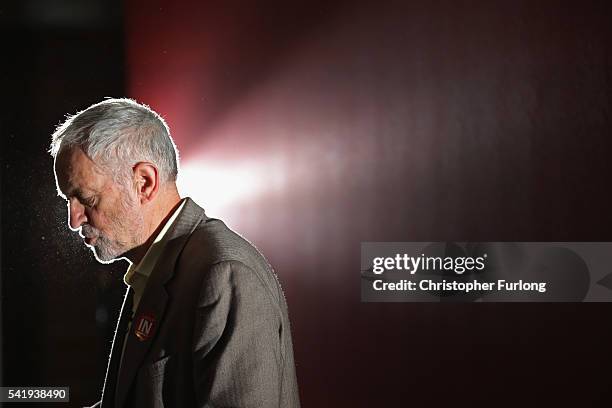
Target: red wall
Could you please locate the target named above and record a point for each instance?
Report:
(342, 123)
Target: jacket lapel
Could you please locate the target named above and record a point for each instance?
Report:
(152, 306)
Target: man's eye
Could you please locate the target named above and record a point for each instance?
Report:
(89, 202)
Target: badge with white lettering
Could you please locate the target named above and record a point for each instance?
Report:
(144, 327)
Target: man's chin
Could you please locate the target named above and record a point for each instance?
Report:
(104, 256)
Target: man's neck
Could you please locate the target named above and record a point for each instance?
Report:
(157, 223)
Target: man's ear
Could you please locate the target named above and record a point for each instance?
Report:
(146, 177)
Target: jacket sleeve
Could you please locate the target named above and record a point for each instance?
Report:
(237, 350)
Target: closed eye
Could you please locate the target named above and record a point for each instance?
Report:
(88, 202)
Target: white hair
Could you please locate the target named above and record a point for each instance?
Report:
(118, 133)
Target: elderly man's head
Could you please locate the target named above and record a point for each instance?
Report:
(116, 165)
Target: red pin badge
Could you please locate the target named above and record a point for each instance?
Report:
(144, 327)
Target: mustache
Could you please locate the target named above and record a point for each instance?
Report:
(87, 231)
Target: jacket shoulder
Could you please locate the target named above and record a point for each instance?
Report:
(212, 243)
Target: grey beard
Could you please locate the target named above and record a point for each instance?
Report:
(107, 251)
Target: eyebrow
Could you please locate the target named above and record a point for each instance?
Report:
(75, 192)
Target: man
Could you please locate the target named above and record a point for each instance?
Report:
(204, 321)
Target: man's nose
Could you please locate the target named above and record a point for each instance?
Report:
(76, 214)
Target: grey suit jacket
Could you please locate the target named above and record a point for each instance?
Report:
(211, 329)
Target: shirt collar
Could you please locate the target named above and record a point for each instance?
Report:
(147, 263)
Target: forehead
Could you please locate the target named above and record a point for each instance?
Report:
(76, 173)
